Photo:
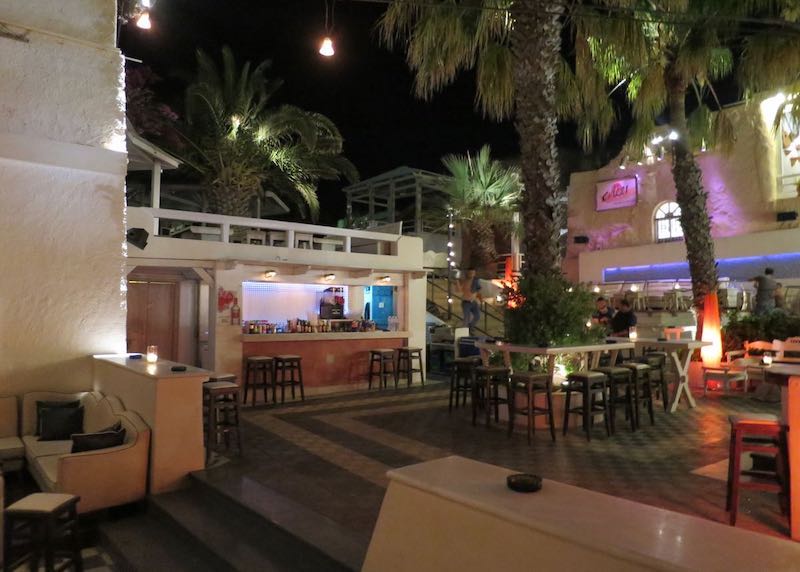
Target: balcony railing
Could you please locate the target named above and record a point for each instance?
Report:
(230, 229)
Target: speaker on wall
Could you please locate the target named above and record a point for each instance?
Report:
(785, 216)
(581, 239)
(137, 237)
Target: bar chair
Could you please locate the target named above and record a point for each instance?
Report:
(461, 379)
(530, 384)
(405, 365)
(286, 366)
(43, 526)
(658, 381)
(486, 381)
(381, 364)
(588, 384)
(756, 433)
(620, 378)
(221, 403)
(256, 367)
(642, 389)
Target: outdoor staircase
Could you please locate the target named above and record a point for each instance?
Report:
(227, 521)
(492, 319)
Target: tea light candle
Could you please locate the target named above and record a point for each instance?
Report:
(767, 359)
(152, 354)
(632, 334)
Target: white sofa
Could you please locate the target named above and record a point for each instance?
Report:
(102, 478)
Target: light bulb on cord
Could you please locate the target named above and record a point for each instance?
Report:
(326, 48)
(143, 21)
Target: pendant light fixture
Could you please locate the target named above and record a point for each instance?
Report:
(326, 47)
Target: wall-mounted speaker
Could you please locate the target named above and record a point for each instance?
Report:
(786, 216)
(581, 239)
(137, 237)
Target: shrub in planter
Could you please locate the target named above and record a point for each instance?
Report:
(775, 325)
(550, 311)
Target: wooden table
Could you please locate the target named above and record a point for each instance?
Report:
(788, 377)
(681, 352)
(592, 352)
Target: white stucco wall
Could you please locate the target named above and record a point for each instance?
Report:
(741, 190)
(61, 227)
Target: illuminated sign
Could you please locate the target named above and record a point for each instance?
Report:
(616, 194)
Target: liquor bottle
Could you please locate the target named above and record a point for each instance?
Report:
(236, 313)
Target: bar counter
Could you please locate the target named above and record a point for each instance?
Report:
(332, 361)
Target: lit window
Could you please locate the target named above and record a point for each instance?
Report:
(668, 222)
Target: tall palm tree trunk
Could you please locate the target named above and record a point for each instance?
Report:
(536, 42)
(691, 197)
(229, 201)
(483, 254)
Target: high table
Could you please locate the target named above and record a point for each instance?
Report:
(788, 377)
(591, 351)
(681, 352)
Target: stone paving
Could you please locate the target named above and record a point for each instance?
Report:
(332, 453)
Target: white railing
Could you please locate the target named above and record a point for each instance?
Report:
(290, 234)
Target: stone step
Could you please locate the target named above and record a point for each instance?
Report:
(250, 526)
(142, 543)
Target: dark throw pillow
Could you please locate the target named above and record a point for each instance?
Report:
(59, 423)
(101, 440)
(40, 405)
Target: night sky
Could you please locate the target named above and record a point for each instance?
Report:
(365, 89)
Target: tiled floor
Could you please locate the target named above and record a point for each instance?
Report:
(332, 454)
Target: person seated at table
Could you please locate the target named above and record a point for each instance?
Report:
(603, 312)
(623, 320)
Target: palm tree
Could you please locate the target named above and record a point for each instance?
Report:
(513, 46)
(483, 194)
(242, 147)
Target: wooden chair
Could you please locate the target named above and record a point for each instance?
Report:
(784, 349)
(751, 349)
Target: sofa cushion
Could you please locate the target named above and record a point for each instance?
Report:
(41, 406)
(9, 426)
(101, 440)
(60, 423)
(28, 409)
(98, 413)
(45, 471)
(35, 448)
(11, 448)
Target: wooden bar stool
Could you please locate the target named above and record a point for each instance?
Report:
(619, 378)
(756, 433)
(461, 378)
(658, 381)
(383, 358)
(256, 367)
(642, 389)
(588, 384)
(43, 526)
(221, 400)
(530, 384)
(486, 381)
(286, 366)
(405, 365)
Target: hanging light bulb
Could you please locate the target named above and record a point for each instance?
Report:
(326, 48)
(143, 21)
(673, 135)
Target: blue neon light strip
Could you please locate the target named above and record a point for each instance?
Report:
(786, 265)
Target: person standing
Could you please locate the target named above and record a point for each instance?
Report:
(470, 299)
(765, 292)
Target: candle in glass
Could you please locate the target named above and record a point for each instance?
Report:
(152, 354)
(767, 359)
(632, 333)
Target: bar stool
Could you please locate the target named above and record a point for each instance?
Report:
(43, 525)
(756, 433)
(642, 389)
(221, 401)
(486, 381)
(255, 367)
(588, 384)
(619, 377)
(529, 384)
(286, 366)
(405, 365)
(383, 358)
(658, 381)
(461, 378)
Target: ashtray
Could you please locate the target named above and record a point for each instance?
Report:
(524, 483)
(178, 368)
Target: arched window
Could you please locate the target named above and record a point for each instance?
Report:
(667, 222)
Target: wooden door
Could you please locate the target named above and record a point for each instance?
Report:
(152, 318)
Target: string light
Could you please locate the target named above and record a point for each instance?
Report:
(143, 21)
(326, 48)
